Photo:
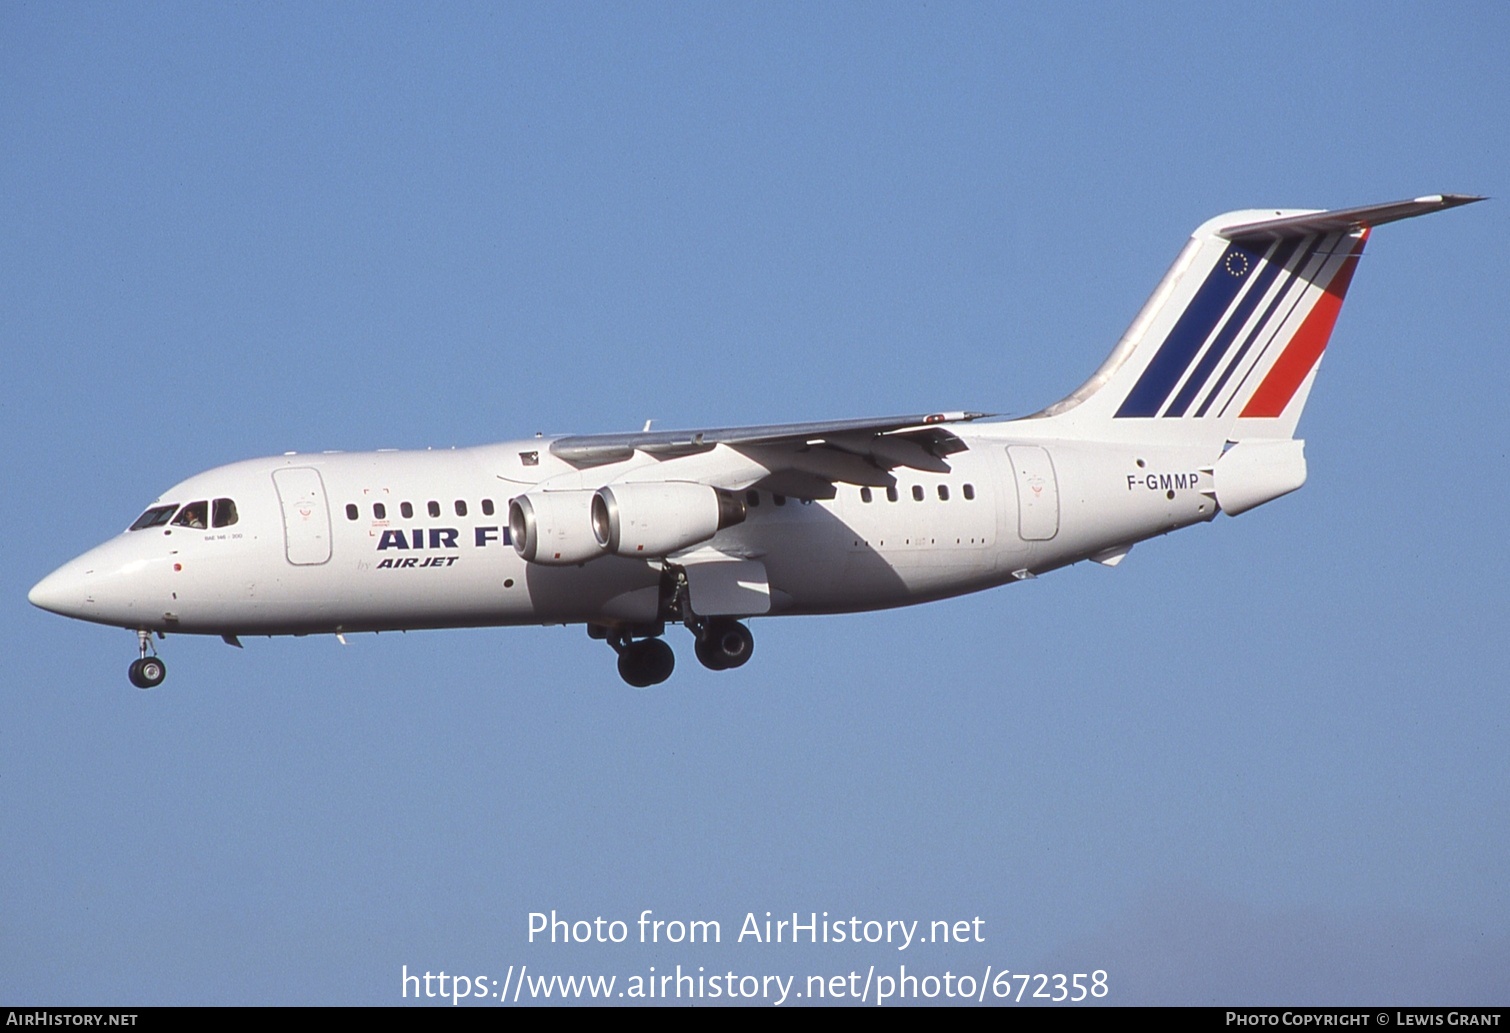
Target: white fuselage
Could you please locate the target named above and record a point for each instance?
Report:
(351, 542)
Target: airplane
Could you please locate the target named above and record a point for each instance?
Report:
(1193, 412)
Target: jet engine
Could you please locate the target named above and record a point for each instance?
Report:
(657, 518)
(554, 527)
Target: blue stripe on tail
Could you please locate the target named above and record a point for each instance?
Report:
(1190, 332)
(1265, 322)
(1228, 333)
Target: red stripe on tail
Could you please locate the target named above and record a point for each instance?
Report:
(1304, 350)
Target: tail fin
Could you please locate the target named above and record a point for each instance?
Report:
(1227, 347)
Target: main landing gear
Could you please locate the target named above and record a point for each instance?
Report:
(147, 672)
(722, 644)
(646, 662)
(644, 657)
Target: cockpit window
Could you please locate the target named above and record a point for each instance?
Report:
(154, 517)
(195, 515)
(225, 512)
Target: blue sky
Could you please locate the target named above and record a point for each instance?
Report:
(1260, 762)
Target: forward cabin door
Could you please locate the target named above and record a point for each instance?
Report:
(306, 515)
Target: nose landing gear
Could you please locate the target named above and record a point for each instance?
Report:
(147, 672)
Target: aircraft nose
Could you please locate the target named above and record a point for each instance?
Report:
(62, 592)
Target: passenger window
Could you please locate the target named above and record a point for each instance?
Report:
(943, 493)
(406, 509)
(225, 513)
(969, 492)
(461, 508)
(487, 507)
(780, 500)
(195, 516)
(351, 511)
(865, 495)
(891, 493)
(917, 493)
(752, 497)
(154, 517)
(434, 508)
(379, 511)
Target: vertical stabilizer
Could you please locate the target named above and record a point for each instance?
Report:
(1228, 346)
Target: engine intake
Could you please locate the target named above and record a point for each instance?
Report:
(554, 527)
(655, 519)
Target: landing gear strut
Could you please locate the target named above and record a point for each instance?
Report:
(722, 642)
(147, 672)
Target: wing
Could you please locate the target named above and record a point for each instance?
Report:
(800, 459)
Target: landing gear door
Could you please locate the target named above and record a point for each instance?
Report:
(728, 588)
(1037, 493)
(306, 515)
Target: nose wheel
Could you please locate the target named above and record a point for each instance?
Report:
(147, 672)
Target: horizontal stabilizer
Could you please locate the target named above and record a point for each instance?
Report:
(1343, 220)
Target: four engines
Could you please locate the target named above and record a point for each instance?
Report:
(562, 528)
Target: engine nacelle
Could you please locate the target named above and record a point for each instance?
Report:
(657, 518)
(554, 527)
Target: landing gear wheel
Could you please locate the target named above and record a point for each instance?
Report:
(708, 655)
(647, 662)
(724, 645)
(148, 672)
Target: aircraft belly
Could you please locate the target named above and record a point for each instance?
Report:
(850, 555)
(610, 587)
(800, 571)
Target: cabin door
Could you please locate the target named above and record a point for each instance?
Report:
(306, 515)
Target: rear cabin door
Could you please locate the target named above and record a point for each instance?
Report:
(306, 516)
(1037, 493)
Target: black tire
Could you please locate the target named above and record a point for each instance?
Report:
(147, 673)
(728, 643)
(708, 654)
(646, 662)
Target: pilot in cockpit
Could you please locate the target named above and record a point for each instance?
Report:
(193, 516)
